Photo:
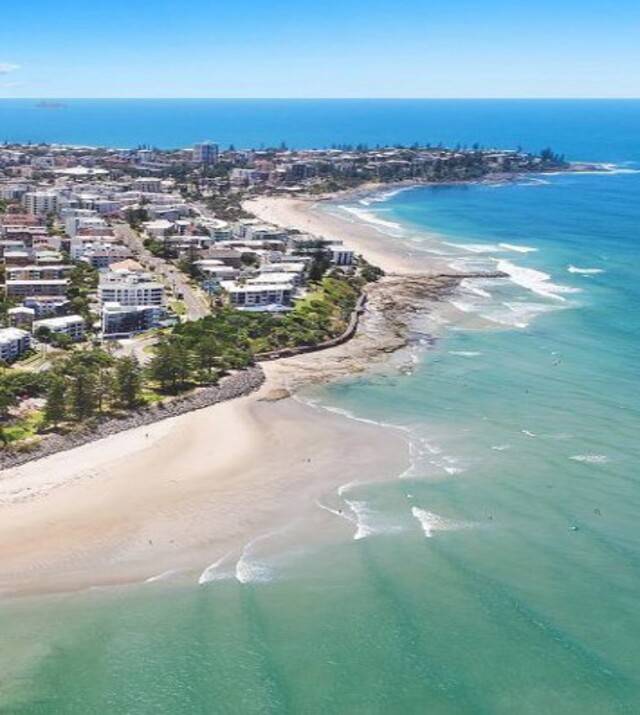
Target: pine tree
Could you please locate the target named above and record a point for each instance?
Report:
(171, 366)
(104, 386)
(83, 394)
(128, 382)
(56, 408)
(207, 352)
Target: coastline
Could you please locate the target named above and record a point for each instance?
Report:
(308, 215)
(177, 495)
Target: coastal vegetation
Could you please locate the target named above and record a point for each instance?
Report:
(199, 352)
(89, 384)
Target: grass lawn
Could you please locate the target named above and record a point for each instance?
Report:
(24, 428)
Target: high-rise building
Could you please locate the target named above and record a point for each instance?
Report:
(41, 203)
(205, 153)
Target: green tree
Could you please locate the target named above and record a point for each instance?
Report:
(83, 389)
(55, 410)
(8, 399)
(319, 266)
(104, 386)
(128, 382)
(207, 351)
(171, 366)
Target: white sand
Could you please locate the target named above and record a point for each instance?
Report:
(199, 486)
(379, 248)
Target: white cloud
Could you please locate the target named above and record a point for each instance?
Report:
(6, 67)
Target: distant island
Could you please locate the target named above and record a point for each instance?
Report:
(47, 104)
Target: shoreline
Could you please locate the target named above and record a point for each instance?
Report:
(177, 495)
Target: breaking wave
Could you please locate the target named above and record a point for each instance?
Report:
(585, 271)
(431, 522)
(590, 458)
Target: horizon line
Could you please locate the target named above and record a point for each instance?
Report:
(323, 99)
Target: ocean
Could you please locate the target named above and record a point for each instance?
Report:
(501, 572)
(593, 130)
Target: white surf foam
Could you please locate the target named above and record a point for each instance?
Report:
(517, 248)
(535, 281)
(372, 218)
(383, 196)
(474, 286)
(464, 353)
(585, 271)
(590, 458)
(337, 512)
(368, 520)
(213, 572)
(475, 247)
(431, 522)
(162, 576)
(492, 247)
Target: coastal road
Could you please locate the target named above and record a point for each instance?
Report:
(195, 300)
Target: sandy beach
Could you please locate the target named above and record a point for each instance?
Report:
(180, 494)
(176, 496)
(375, 243)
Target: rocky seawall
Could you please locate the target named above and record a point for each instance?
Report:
(236, 385)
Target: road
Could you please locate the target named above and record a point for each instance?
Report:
(195, 300)
(137, 347)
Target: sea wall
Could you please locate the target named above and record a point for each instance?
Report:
(231, 387)
(347, 334)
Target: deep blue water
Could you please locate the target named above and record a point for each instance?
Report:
(597, 130)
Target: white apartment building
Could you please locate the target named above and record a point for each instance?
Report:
(41, 203)
(71, 325)
(13, 343)
(258, 297)
(340, 256)
(130, 289)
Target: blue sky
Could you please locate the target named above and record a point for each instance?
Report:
(327, 48)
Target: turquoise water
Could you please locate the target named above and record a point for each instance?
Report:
(501, 574)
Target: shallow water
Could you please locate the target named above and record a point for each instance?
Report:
(500, 574)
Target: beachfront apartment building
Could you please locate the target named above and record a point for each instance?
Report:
(340, 256)
(261, 296)
(13, 343)
(130, 289)
(70, 325)
(120, 321)
(40, 203)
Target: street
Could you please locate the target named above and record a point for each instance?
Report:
(195, 300)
